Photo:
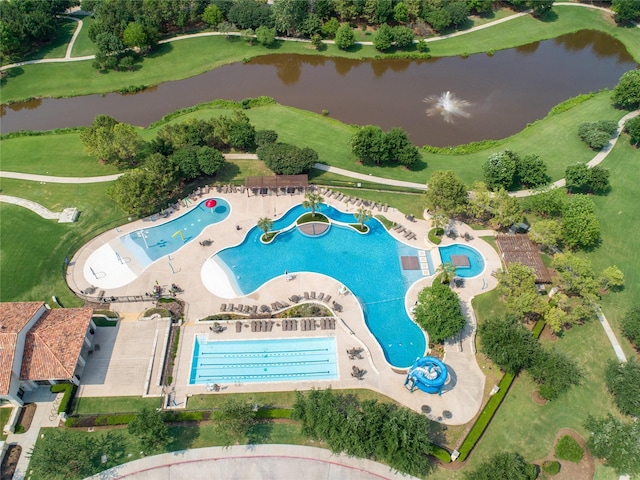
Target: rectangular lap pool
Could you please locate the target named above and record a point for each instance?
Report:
(279, 360)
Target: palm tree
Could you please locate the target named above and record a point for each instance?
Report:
(362, 215)
(312, 200)
(265, 224)
(439, 219)
(447, 270)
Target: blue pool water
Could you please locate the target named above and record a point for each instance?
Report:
(164, 239)
(280, 360)
(476, 262)
(369, 265)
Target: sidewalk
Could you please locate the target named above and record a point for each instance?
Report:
(46, 415)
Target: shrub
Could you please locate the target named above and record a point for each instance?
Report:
(435, 235)
(626, 93)
(285, 159)
(597, 134)
(631, 326)
(442, 454)
(264, 137)
(551, 467)
(632, 127)
(487, 413)
(184, 416)
(69, 390)
(568, 449)
(623, 381)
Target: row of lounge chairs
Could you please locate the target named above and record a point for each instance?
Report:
(408, 234)
(326, 323)
(289, 325)
(239, 309)
(230, 188)
(353, 200)
(262, 325)
(279, 305)
(321, 296)
(307, 324)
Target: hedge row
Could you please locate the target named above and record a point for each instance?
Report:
(69, 390)
(485, 417)
(441, 454)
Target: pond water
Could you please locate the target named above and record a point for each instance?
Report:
(505, 91)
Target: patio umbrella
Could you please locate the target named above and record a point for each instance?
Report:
(210, 204)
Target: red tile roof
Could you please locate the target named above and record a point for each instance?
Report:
(14, 316)
(54, 343)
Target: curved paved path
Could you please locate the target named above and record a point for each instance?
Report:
(258, 462)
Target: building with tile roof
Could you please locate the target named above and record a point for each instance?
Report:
(40, 346)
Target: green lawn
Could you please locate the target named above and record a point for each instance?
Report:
(187, 58)
(83, 46)
(5, 413)
(618, 216)
(107, 405)
(60, 155)
(36, 266)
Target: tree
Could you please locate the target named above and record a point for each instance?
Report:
(266, 36)
(312, 25)
(97, 137)
(623, 381)
(626, 94)
(479, 6)
(312, 200)
(438, 312)
(234, 420)
(580, 224)
(531, 171)
(555, 372)
(458, 11)
(632, 127)
(369, 145)
(186, 159)
(625, 10)
(597, 134)
(265, 224)
(509, 465)
(499, 170)
(598, 180)
(506, 210)
(163, 173)
(401, 13)
(289, 15)
(111, 141)
(437, 16)
(540, 7)
(383, 38)
(316, 41)
(210, 160)
(575, 274)
(611, 277)
(242, 136)
(65, 453)
(264, 137)
(135, 192)
(135, 36)
(109, 44)
(330, 29)
(507, 343)
(345, 38)
(150, 428)
(556, 318)
(212, 15)
(548, 203)
(615, 441)
(399, 148)
(480, 201)
(250, 14)
(546, 233)
(285, 159)
(631, 326)
(446, 192)
(248, 35)
(518, 286)
(362, 215)
(402, 36)
(446, 271)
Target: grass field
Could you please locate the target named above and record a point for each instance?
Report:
(58, 47)
(83, 45)
(187, 58)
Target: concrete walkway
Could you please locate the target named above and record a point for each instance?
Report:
(257, 462)
(31, 205)
(46, 415)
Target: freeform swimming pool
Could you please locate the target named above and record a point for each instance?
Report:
(274, 360)
(476, 261)
(369, 265)
(150, 244)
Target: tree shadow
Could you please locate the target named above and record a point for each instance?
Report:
(547, 17)
(11, 73)
(260, 432)
(160, 50)
(183, 436)
(112, 446)
(227, 173)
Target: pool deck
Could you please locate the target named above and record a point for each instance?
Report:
(463, 394)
